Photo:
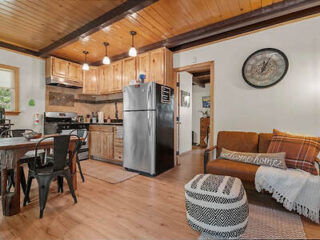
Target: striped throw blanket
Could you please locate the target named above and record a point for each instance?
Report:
(297, 190)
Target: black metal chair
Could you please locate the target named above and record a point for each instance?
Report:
(44, 174)
(81, 133)
(9, 133)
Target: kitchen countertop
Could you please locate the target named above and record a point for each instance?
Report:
(111, 124)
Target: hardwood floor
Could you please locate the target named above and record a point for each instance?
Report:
(140, 208)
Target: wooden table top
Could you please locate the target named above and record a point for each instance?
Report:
(21, 142)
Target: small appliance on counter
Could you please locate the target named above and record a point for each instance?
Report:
(148, 121)
(100, 117)
(94, 117)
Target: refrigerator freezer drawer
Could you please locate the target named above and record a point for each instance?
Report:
(139, 141)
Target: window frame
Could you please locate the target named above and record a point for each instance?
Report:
(16, 89)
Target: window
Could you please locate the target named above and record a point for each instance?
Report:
(9, 89)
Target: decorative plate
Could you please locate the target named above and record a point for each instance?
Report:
(265, 67)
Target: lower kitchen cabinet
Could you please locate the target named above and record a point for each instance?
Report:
(118, 144)
(104, 144)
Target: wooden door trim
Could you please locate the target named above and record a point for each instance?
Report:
(210, 65)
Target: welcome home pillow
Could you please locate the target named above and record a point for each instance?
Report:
(301, 150)
(267, 159)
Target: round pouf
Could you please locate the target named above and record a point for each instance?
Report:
(217, 205)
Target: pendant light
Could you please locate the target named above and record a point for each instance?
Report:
(133, 50)
(106, 59)
(85, 65)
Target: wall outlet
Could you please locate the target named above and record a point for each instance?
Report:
(194, 60)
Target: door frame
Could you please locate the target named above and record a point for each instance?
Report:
(210, 65)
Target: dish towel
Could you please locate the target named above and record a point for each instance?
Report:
(296, 190)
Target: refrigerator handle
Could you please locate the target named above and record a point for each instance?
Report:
(149, 123)
(149, 93)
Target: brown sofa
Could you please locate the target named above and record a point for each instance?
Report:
(241, 142)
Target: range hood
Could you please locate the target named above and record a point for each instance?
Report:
(62, 82)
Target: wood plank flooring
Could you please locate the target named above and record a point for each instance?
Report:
(140, 208)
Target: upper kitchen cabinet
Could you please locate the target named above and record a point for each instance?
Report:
(159, 64)
(129, 70)
(59, 67)
(106, 79)
(75, 72)
(117, 76)
(143, 65)
(68, 73)
(91, 81)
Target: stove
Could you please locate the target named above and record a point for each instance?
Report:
(64, 123)
(58, 122)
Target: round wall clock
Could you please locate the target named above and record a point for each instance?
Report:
(265, 67)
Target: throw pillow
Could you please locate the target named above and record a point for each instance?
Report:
(267, 159)
(301, 151)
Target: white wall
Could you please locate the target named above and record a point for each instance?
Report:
(32, 86)
(197, 94)
(185, 136)
(293, 104)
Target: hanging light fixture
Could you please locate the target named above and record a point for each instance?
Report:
(133, 50)
(85, 65)
(106, 59)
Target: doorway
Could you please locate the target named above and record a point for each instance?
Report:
(194, 107)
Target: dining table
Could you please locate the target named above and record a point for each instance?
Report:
(11, 151)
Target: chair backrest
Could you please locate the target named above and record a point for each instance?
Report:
(77, 147)
(81, 133)
(14, 133)
(60, 151)
(237, 141)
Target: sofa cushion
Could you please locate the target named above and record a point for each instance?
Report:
(276, 160)
(264, 142)
(237, 141)
(301, 151)
(244, 171)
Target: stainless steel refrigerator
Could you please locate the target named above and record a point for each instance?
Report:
(148, 120)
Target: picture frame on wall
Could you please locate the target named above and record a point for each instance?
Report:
(206, 102)
(185, 99)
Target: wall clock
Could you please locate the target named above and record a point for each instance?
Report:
(265, 67)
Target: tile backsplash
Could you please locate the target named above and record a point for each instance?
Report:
(68, 100)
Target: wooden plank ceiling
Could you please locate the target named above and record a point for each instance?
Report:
(157, 22)
(35, 24)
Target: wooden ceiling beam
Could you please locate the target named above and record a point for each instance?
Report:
(198, 82)
(274, 14)
(199, 74)
(112, 16)
(18, 48)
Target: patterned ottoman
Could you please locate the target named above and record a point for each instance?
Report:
(217, 205)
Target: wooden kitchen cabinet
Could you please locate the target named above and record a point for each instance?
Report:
(91, 81)
(67, 71)
(157, 72)
(129, 70)
(107, 144)
(74, 72)
(59, 67)
(161, 63)
(106, 79)
(95, 137)
(118, 144)
(143, 65)
(117, 76)
(104, 144)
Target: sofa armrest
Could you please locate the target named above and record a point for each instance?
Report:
(206, 157)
